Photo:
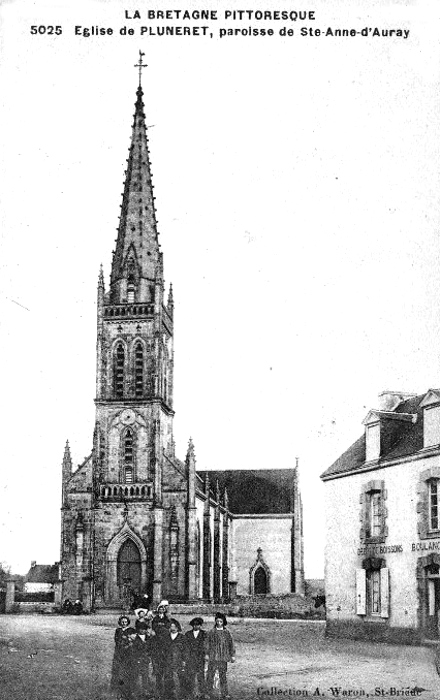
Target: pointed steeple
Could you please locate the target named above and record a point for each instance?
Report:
(67, 458)
(226, 498)
(66, 470)
(137, 257)
(170, 302)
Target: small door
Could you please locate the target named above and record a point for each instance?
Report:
(260, 581)
(129, 567)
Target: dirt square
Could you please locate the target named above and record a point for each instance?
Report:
(69, 658)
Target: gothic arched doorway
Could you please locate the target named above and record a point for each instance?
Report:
(260, 581)
(129, 568)
(259, 576)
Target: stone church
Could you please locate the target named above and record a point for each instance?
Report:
(134, 516)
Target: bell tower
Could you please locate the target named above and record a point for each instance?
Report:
(134, 372)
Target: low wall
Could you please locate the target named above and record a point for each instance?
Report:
(287, 606)
(33, 608)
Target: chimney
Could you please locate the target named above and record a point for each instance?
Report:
(389, 400)
(33, 563)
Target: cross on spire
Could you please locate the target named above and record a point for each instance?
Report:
(140, 65)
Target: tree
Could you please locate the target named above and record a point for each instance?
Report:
(5, 571)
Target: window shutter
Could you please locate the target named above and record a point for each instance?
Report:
(384, 592)
(431, 597)
(361, 589)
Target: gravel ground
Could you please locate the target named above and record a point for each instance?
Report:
(69, 658)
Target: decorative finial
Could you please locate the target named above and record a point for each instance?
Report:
(101, 276)
(140, 65)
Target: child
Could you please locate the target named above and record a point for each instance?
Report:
(143, 652)
(122, 659)
(174, 658)
(220, 650)
(195, 657)
(161, 621)
(161, 625)
(143, 618)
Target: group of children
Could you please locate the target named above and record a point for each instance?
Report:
(155, 659)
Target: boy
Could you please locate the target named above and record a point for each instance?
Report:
(174, 648)
(143, 652)
(220, 650)
(195, 658)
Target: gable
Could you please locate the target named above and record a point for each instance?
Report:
(81, 479)
(431, 398)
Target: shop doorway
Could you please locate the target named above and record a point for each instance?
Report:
(432, 627)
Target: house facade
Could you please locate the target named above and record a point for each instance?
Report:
(382, 556)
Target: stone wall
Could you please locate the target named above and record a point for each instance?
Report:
(273, 535)
(288, 606)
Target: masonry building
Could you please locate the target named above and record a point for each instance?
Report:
(382, 564)
(134, 516)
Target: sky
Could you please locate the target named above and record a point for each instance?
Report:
(297, 193)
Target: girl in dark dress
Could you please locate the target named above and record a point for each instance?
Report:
(160, 625)
(121, 682)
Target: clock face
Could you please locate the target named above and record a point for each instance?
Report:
(128, 417)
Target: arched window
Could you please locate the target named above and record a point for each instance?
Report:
(130, 291)
(128, 457)
(118, 372)
(139, 370)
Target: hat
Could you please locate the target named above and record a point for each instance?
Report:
(196, 621)
(138, 610)
(163, 604)
(173, 621)
(221, 616)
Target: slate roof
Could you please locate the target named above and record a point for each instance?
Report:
(42, 573)
(407, 440)
(255, 491)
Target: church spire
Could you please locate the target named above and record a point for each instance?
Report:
(137, 257)
(66, 470)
